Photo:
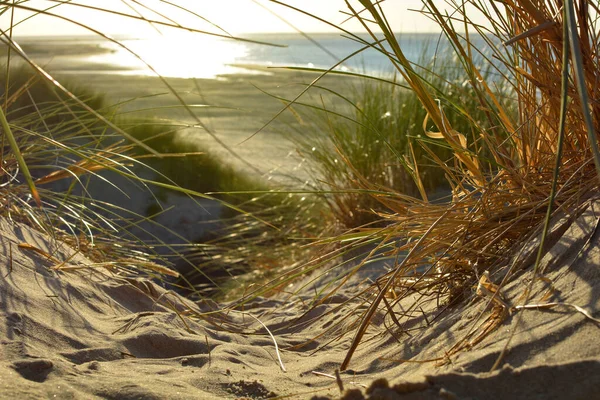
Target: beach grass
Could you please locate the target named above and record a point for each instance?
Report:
(382, 140)
(479, 232)
(61, 151)
(63, 145)
(510, 165)
(68, 136)
(185, 163)
(262, 233)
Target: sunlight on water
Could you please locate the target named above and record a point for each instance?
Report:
(178, 56)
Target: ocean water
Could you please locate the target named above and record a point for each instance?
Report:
(203, 56)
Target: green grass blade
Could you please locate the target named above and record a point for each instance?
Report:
(557, 165)
(17, 152)
(576, 57)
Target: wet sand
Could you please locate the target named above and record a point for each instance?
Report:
(231, 108)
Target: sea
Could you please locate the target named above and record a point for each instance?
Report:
(189, 55)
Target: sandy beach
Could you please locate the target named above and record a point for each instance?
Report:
(232, 109)
(87, 333)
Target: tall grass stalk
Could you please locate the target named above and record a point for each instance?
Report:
(19, 156)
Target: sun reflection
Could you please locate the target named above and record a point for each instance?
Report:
(178, 56)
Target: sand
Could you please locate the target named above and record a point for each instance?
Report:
(232, 108)
(90, 334)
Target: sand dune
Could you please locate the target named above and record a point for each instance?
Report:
(89, 334)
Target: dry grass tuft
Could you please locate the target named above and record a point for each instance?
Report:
(506, 184)
(497, 202)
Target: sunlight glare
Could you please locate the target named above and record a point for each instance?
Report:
(177, 55)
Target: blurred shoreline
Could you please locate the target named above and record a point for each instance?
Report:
(232, 107)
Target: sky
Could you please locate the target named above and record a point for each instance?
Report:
(234, 16)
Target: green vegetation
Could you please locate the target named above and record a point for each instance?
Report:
(29, 93)
(262, 232)
(66, 145)
(63, 138)
(185, 163)
(382, 143)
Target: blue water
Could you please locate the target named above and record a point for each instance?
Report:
(202, 56)
(333, 48)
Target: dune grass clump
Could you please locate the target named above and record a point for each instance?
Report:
(382, 142)
(53, 163)
(68, 142)
(62, 144)
(186, 163)
(66, 146)
(57, 139)
(511, 169)
(495, 210)
(28, 92)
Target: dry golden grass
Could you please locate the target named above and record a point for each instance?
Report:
(509, 176)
